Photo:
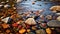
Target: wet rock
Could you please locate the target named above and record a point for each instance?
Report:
(6, 6)
(43, 25)
(30, 33)
(58, 18)
(49, 17)
(30, 21)
(48, 31)
(41, 31)
(33, 2)
(53, 23)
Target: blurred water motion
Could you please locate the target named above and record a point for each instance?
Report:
(27, 5)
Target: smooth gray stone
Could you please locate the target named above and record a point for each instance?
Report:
(54, 23)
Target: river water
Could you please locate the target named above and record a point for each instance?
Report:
(25, 6)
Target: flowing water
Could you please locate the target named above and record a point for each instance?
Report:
(27, 5)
